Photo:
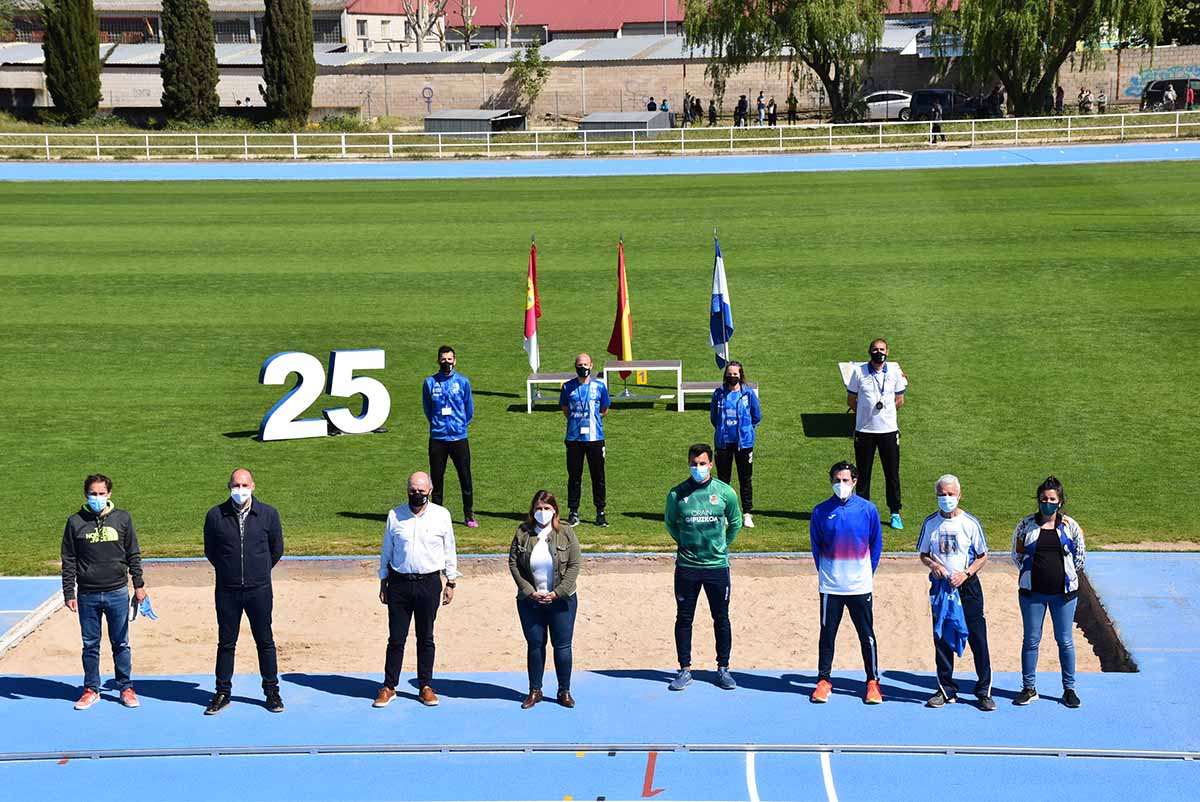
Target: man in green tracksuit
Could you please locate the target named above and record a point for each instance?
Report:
(703, 517)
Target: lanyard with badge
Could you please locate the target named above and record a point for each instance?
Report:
(879, 385)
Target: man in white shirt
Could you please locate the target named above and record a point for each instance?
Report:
(875, 392)
(418, 547)
(953, 547)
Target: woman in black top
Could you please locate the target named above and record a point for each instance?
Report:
(1048, 549)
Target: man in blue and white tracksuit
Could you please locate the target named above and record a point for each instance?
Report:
(953, 547)
(585, 402)
(735, 414)
(847, 541)
(449, 408)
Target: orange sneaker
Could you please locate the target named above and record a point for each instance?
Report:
(129, 698)
(821, 694)
(88, 699)
(874, 696)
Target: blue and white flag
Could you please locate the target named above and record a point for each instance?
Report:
(720, 318)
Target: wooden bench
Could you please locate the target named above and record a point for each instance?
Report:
(635, 365)
(535, 379)
(707, 388)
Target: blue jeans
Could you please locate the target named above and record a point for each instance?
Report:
(557, 620)
(113, 606)
(1033, 616)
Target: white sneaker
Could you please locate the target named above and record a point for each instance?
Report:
(748, 521)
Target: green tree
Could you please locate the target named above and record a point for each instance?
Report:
(529, 74)
(7, 12)
(72, 52)
(836, 39)
(289, 67)
(1181, 22)
(1025, 42)
(189, 61)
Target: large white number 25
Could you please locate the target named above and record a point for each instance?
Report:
(281, 423)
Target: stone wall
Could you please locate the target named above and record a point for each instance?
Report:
(576, 89)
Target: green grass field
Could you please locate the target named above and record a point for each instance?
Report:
(1046, 318)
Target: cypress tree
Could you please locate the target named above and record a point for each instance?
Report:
(289, 67)
(72, 51)
(189, 61)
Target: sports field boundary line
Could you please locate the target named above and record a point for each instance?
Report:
(29, 623)
(509, 748)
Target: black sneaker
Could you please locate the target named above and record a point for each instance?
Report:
(940, 699)
(1070, 698)
(601, 518)
(1026, 696)
(274, 702)
(219, 702)
(573, 518)
(987, 703)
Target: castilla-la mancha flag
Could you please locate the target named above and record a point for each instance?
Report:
(620, 344)
(533, 310)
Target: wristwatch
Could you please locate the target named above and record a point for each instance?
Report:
(451, 584)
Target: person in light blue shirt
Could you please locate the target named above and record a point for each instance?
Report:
(953, 547)
(735, 414)
(449, 408)
(585, 402)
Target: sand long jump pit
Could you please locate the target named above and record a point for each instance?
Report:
(328, 619)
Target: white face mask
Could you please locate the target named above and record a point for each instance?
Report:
(543, 517)
(240, 495)
(947, 503)
(843, 490)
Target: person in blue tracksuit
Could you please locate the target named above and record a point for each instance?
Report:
(585, 402)
(735, 414)
(449, 408)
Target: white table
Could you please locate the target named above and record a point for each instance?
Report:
(635, 365)
(534, 379)
(708, 387)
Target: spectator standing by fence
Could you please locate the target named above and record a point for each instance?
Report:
(772, 113)
(760, 105)
(791, 107)
(1190, 96)
(712, 113)
(1060, 99)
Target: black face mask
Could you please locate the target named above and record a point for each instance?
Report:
(417, 500)
(446, 367)
(582, 372)
(878, 356)
(732, 381)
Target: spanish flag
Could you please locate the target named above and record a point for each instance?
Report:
(620, 344)
(533, 309)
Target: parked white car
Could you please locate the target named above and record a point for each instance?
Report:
(889, 104)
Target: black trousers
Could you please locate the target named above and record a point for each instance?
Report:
(971, 593)
(716, 584)
(411, 600)
(862, 615)
(935, 132)
(865, 444)
(576, 452)
(257, 604)
(458, 451)
(744, 457)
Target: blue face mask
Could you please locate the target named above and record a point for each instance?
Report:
(1048, 508)
(700, 473)
(947, 503)
(97, 503)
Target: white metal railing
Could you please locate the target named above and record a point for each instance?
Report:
(562, 142)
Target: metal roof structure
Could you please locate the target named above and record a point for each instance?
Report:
(109, 8)
(468, 114)
(900, 36)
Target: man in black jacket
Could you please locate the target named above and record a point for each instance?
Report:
(243, 540)
(99, 553)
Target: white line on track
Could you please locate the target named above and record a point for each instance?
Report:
(751, 778)
(827, 773)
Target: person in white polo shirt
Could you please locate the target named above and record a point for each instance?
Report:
(418, 547)
(875, 392)
(952, 546)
